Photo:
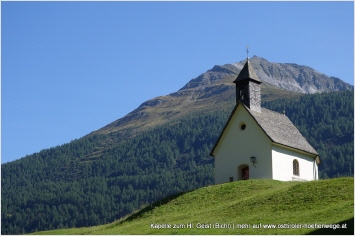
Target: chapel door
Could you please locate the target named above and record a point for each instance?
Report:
(245, 173)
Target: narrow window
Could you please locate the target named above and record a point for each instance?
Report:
(296, 168)
(230, 179)
(241, 93)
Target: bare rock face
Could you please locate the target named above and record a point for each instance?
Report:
(293, 77)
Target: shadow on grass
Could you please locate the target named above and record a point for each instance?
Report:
(349, 230)
(152, 206)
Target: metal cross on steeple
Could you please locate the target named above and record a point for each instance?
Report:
(247, 52)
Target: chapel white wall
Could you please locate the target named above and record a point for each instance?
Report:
(236, 146)
(282, 165)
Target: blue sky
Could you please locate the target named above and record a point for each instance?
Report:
(69, 68)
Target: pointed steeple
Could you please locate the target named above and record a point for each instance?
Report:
(248, 87)
(247, 73)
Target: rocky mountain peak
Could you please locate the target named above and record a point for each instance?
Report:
(293, 77)
(215, 87)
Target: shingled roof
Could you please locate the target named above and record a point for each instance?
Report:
(278, 128)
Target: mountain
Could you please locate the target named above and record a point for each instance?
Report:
(214, 89)
(159, 149)
(243, 207)
(293, 77)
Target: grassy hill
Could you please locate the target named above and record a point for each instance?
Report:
(247, 207)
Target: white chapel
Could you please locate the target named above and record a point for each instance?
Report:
(260, 143)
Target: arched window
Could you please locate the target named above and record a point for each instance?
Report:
(296, 168)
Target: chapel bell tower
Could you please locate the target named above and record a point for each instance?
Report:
(248, 88)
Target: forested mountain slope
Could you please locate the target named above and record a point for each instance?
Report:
(102, 177)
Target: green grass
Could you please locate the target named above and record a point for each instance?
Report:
(251, 202)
